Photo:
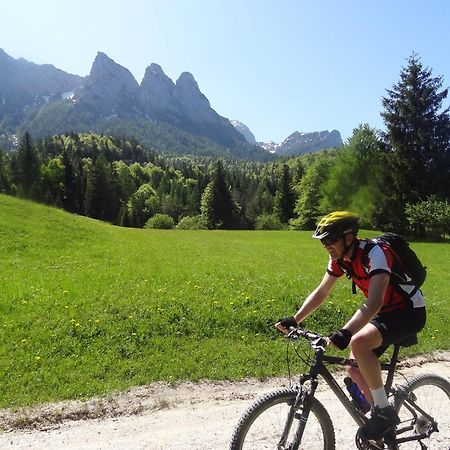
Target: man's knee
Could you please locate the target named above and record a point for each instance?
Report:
(365, 341)
(353, 372)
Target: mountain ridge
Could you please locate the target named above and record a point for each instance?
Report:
(47, 101)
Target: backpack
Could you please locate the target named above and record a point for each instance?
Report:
(405, 257)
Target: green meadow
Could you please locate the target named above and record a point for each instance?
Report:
(87, 308)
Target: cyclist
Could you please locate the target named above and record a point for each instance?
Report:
(389, 314)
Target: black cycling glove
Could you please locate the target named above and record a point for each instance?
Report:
(341, 338)
(288, 322)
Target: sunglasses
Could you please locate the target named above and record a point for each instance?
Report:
(330, 240)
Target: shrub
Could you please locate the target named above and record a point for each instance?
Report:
(429, 217)
(268, 222)
(160, 221)
(191, 223)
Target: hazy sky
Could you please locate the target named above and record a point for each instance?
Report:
(278, 66)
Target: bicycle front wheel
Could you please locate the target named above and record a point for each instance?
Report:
(425, 395)
(271, 424)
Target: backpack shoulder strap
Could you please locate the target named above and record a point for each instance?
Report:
(347, 268)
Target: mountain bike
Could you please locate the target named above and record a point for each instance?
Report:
(294, 419)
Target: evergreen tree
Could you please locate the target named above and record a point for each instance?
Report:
(102, 200)
(4, 174)
(218, 208)
(71, 182)
(26, 168)
(418, 130)
(284, 198)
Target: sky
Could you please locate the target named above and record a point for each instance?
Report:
(278, 66)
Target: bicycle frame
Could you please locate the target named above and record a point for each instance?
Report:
(319, 367)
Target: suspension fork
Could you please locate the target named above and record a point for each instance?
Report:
(304, 402)
(305, 396)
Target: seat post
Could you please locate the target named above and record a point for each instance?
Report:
(408, 342)
(393, 366)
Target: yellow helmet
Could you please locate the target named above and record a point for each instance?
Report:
(336, 224)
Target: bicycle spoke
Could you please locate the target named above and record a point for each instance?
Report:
(426, 412)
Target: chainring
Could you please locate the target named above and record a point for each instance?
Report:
(363, 444)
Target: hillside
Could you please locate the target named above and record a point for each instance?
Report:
(88, 308)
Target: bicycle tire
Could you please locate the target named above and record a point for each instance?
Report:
(262, 424)
(432, 393)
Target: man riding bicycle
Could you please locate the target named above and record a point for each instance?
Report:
(390, 313)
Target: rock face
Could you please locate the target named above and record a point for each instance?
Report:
(192, 103)
(25, 86)
(183, 105)
(157, 96)
(244, 130)
(298, 143)
(110, 89)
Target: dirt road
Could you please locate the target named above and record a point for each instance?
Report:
(188, 416)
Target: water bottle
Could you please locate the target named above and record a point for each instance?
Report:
(357, 395)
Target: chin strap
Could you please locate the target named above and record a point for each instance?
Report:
(353, 244)
(349, 246)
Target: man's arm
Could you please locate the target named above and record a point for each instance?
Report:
(373, 303)
(313, 301)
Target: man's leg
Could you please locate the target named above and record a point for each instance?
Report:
(384, 417)
(356, 375)
(362, 344)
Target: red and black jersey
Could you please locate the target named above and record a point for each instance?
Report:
(367, 260)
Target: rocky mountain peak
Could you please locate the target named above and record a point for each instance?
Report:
(110, 88)
(4, 55)
(193, 103)
(156, 69)
(157, 91)
(104, 69)
(300, 142)
(155, 78)
(186, 78)
(244, 130)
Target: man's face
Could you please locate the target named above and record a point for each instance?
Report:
(334, 246)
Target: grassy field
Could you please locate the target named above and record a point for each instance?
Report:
(87, 308)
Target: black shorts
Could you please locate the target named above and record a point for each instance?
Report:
(396, 326)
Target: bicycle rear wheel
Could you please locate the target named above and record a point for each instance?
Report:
(262, 425)
(431, 393)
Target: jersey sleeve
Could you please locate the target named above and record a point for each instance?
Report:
(380, 260)
(333, 269)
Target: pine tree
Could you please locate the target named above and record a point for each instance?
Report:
(418, 131)
(26, 168)
(102, 200)
(284, 202)
(4, 174)
(70, 200)
(217, 205)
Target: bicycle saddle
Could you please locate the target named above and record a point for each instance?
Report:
(408, 342)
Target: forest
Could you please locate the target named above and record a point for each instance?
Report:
(396, 180)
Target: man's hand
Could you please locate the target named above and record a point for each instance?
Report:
(341, 338)
(284, 324)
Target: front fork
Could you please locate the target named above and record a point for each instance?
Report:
(300, 410)
(302, 406)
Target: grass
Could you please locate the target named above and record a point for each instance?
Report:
(87, 308)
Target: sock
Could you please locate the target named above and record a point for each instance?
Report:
(379, 397)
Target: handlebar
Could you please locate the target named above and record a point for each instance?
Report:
(316, 341)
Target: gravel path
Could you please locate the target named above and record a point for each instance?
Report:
(188, 416)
